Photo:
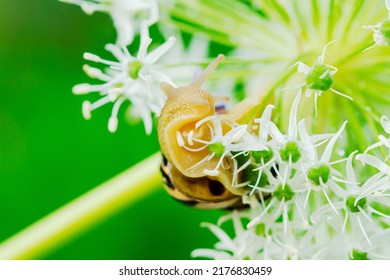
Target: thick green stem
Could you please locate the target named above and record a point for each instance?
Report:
(81, 214)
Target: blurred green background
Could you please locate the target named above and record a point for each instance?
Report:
(50, 155)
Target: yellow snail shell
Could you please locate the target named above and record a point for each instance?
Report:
(184, 108)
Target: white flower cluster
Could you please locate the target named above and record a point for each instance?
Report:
(381, 30)
(126, 15)
(302, 203)
(134, 78)
(305, 201)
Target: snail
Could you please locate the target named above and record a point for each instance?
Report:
(184, 178)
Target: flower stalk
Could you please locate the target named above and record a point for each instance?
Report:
(84, 212)
(311, 192)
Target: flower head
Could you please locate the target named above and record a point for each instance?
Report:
(357, 200)
(320, 175)
(132, 78)
(246, 244)
(127, 15)
(303, 203)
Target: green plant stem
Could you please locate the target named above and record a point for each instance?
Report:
(82, 213)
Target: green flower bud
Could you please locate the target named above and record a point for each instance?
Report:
(134, 68)
(251, 176)
(319, 78)
(359, 255)
(315, 173)
(287, 193)
(264, 155)
(350, 203)
(260, 229)
(291, 149)
(218, 148)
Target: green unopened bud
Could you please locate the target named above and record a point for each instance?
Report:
(318, 174)
(264, 155)
(350, 203)
(290, 150)
(250, 176)
(287, 193)
(218, 148)
(359, 255)
(260, 229)
(319, 78)
(134, 68)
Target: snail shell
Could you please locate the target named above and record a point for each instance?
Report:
(184, 108)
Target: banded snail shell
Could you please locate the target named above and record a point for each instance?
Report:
(184, 108)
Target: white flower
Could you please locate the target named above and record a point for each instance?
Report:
(220, 145)
(126, 14)
(382, 166)
(292, 131)
(281, 226)
(320, 241)
(255, 243)
(283, 166)
(301, 243)
(319, 77)
(320, 174)
(357, 200)
(286, 147)
(267, 240)
(352, 244)
(297, 145)
(256, 150)
(283, 198)
(133, 78)
(291, 149)
(284, 154)
(383, 141)
(381, 31)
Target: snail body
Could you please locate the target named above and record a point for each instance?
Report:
(183, 169)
